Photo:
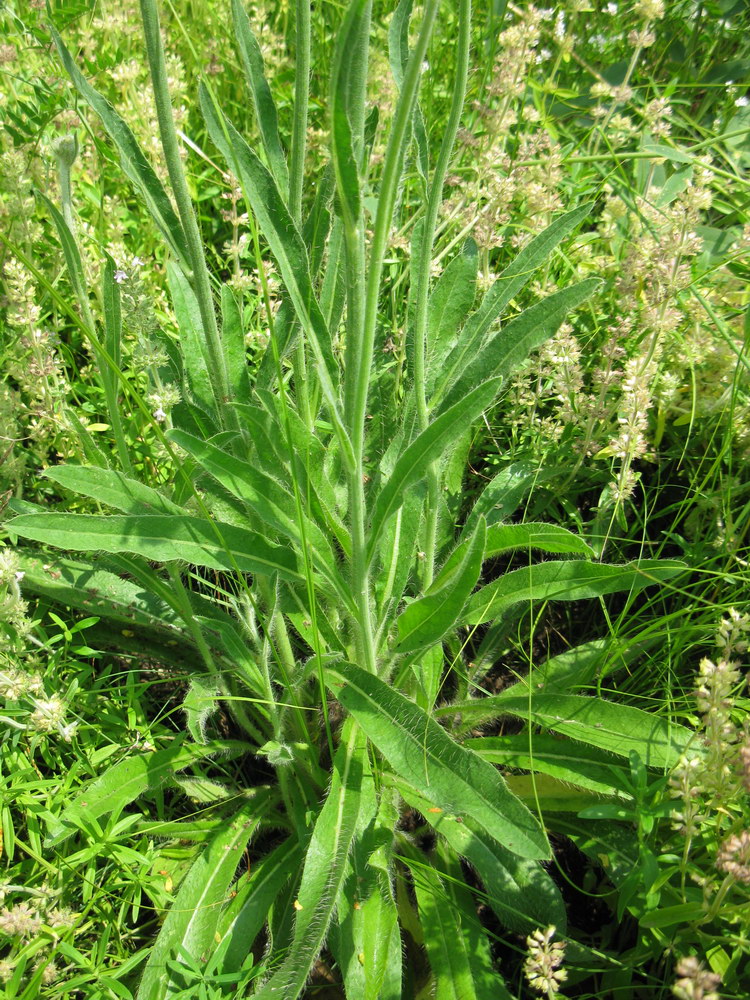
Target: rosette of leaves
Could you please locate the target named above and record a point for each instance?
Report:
(341, 583)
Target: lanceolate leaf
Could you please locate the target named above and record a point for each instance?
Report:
(427, 620)
(519, 891)
(565, 581)
(233, 340)
(265, 108)
(190, 926)
(449, 304)
(518, 273)
(161, 539)
(283, 237)
(462, 969)
(600, 723)
(547, 537)
(502, 496)
(428, 446)
(132, 157)
(515, 341)
(418, 749)
(192, 340)
(243, 918)
(122, 783)
(112, 489)
(574, 762)
(324, 871)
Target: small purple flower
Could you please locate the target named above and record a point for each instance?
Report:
(120, 276)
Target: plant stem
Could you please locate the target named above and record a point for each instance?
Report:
(361, 332)
(434, 199)
(200, 279)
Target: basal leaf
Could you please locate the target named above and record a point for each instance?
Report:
(519, 891)
(113, 489)
(161, 538)
(616, 728)
(190, 925)
(572, 580)
(566, 760)
(423, 753)
(324, 871)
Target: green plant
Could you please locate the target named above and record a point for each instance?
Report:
(319, 568)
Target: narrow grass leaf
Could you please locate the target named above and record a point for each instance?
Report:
(426, 448)
(427, 620)
(190, 925)
(421, 751)
(265, 107)
(161, 538)
(132, 157)
(571, 580)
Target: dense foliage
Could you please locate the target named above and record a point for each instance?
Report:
(374, 580)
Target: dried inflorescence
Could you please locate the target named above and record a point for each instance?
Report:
(694, 981)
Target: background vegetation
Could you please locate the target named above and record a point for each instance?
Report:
(630, 427)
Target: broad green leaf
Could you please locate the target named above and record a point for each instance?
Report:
(99, 589)
(122, 783)
(324, 871)
(518, 273)
(421, 751)
(233, 341)
(608, 725)
(572, 580)
(535, 535)
(113, 489)
(428, 619)
(426, 448)
(450, 302)
(503, 494)
(132, 157)
(191, 922)
(365, 939)
(579, 666)
(161, 538)
(243, 918)
(265, 108)
(574, 762)
(285, 242)
(515, 341)
(519, 891)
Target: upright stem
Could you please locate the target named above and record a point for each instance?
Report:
(362, 326)
(200, 278)
(434, 200)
